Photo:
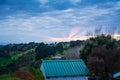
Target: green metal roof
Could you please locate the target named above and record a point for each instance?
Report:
(58, 68)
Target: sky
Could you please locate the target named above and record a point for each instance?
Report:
(57, 20)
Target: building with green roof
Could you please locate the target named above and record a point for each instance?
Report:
(64, 70)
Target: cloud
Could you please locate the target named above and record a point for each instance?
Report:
(117, 5)
(13, 7)
(74, 2)
(43, 1)
(57, 24)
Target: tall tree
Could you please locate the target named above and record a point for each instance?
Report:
(101, 41)
(5, 51)
(104, 61)
(59, 47)
(40, 51)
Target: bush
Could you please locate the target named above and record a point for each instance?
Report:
(24, 75)
(8, 77)
(37, 73)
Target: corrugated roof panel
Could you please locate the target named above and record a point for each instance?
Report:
(60, 71)
(70, 66)
(56, 68)
(72, 69)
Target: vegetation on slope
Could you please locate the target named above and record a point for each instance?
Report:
(102, 56)
(27, 57)
(4, 61)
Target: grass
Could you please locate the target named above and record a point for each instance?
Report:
(8, 77)
(15, 57)
(29, 51)
(4, 61)
(37, 73)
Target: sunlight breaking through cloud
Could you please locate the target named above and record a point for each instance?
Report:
(48, 21)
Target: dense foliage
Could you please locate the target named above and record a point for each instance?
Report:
(26, 57)
(103, 62)
(7, 50)
(45, 50)
(102, 56)
(101, 41)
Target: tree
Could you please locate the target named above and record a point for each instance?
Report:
(101, 41)
(97, 30)
(59, 47)
(104, 61)
(40, 51)
(5, 51)
(100, 54)
(75, 43)
(45, 50)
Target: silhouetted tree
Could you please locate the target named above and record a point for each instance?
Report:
(104, 61)
(101, 41)
(75, 43)
(59, 47)
(5, 51)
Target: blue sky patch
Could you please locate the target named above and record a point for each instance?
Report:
(56, 20)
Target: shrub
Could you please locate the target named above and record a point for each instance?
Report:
(24, 75)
